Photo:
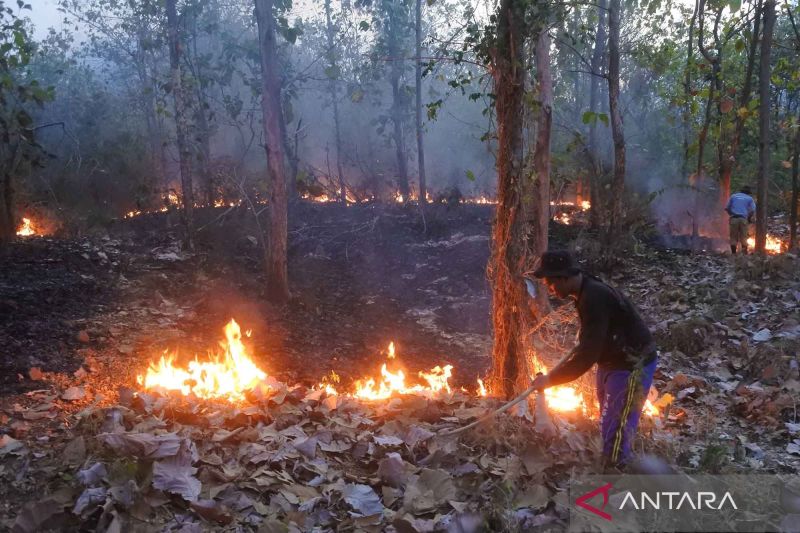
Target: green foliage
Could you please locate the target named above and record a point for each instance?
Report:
(591, 117)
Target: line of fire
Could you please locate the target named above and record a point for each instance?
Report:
(398, 266)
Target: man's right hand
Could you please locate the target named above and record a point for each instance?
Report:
(540, 382)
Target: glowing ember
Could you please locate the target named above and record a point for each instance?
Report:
(773, 246)
(229, 376)
(481, 200)
(563, 218)
(394, 382)
(27, 228)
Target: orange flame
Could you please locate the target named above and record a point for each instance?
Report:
(27, 228)
(773, 245)
(649, 409)
(481, 389)
(227, 377)
(481, 200)
(563, 218)
(394, 382)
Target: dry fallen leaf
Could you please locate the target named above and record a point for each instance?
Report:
(362, 499)
(429, 490)
(143, 445)
(73, 393)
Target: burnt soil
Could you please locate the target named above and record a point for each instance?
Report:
(360, 277)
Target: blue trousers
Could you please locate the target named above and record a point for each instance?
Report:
(621, 394)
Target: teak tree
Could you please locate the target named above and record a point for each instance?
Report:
(423, 182)
(763, 125)
(276, 260)
(333, 74)
(519, 234)
(181, 122)
(617, 132)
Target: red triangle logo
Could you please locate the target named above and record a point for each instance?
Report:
(581, 501)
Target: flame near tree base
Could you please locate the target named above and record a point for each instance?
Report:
(231, 374)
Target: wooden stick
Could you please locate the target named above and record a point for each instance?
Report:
(502, 408)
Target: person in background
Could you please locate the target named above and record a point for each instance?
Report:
(741, 208)
(614, 337)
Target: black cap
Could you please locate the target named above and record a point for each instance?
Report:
(556, 264)
(746, 189)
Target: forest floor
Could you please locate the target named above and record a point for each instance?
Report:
(81, 318)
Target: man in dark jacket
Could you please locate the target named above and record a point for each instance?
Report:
(614, 337)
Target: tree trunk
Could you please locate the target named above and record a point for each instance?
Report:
(423, 184)
(204, 150)
(728, 161)
(8, 215)
(538, 204)
(520, 229)
(763, 125)
(697, 178)
(332, 89)
(148, 92)
(598, 60)
(687, 94)
(395, 73)
(181, 124)
(277, 276)
(617, 133)
(795, 172)
(203, 160)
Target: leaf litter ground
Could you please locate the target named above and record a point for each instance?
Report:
(81, 449)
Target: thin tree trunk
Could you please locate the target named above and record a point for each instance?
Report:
(203, 161)
(181, 124)
(763, 125)
(8, 220)
(539, 203)
(728, 161)
(277, 275)
(148, 101)
(332, 89)
(697, 178)
(395, 73)
(795, 172)
(423, 184)
(617, 132)
(687, 93)
(204, 152)
(598, 60)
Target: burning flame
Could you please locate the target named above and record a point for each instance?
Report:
(482, 392)
(585, 205)
(563, 218)
(481, 200)
(773, 245)
(228, 377)
(27, 228)
(649, 409)
(394, 382)
(562, 398)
